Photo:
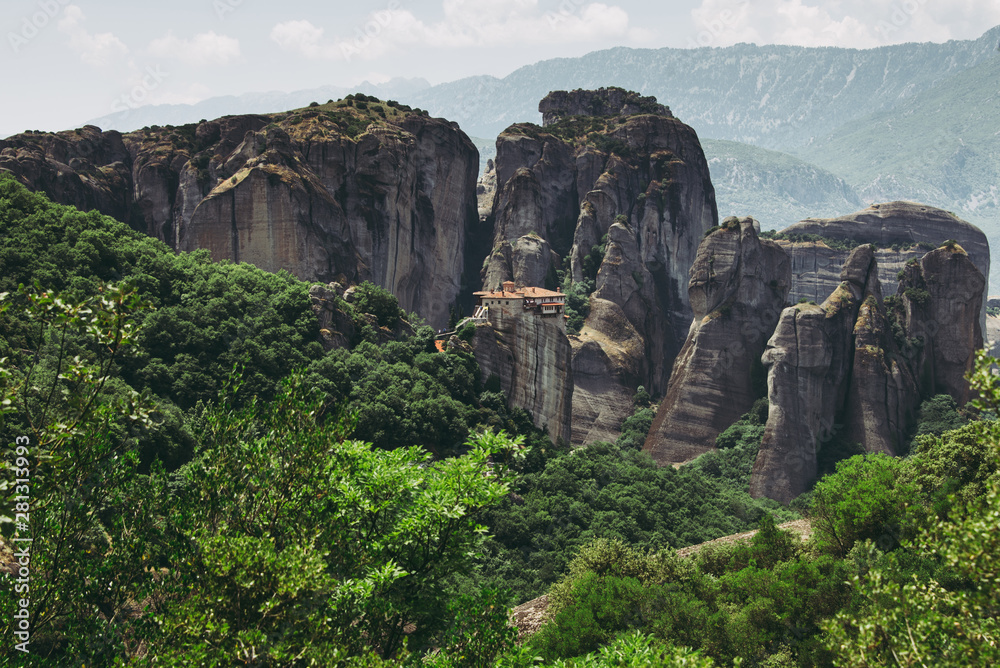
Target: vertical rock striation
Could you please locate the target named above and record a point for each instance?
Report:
(903, 231)
(809, 360)
(737, 289)
(942, 298)
(858, 366)
(611, 166)
(532, 358)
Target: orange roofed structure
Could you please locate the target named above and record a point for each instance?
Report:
(513, 300)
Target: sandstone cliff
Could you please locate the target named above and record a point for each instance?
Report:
(992, 335)
(609, 165)
(607, 367)
(532, 358)
(857, 367)
(612, 101)
(942, 297)
(737, 289)
(349, 191)
(903, 231)
(809, 360)
(85, 168)
(883, 396)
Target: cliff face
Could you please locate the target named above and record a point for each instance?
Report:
(335, 192)
(737, 289)
(942, 296)
(816, 267)
(611, 101)
(532, 358)
(85, 168)
(883, 396)
(857, 366)
(607, 367)
(809, 361)
(638, 177)
(903, 231)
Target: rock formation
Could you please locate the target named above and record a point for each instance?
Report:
(942, 296)
(336, 328)
(532, 358)
(486, 190)
(992, 335)
(902, 231)
(528, 261)
(738, 288)
(607, 366)
(857, 367)
(816, 267)
(883, 397)
(612, 166)
(809, 360)
(611, 101)
(85, 168)
(340, 191)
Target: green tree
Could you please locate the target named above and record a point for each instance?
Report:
(909, 620)
(919, 622)
(370, 298)
(866, 498)
(85, 512)
(307, 546)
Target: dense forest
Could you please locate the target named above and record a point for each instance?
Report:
(209, 486)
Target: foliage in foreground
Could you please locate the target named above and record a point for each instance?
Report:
(283, 542)
(903, 570)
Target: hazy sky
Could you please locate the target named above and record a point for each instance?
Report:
(69, 60)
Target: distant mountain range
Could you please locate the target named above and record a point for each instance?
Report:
(908, 121)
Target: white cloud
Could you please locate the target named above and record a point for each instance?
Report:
(205, 48)
(94, 49)
(301, 36)
(848, 23)
(466, 23)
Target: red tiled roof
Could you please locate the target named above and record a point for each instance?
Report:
(541, 292)
(520, 293)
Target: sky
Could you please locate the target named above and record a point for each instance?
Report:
(66, 61)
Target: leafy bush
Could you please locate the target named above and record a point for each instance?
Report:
(577, 304)
(866, 498)
(271, 489)
(635, 428)
(938, 415)
(961, 462)
(612, 492)
(376, 300)
(762, 600)
(916, 620)
(467, 332)
(592, 261)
